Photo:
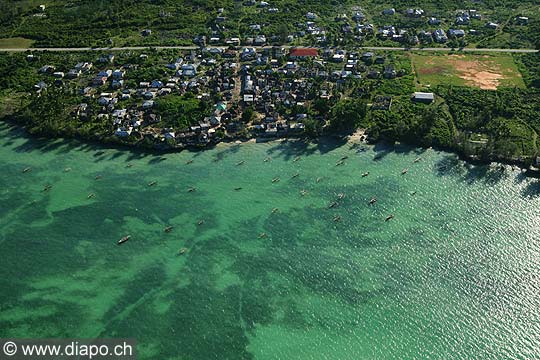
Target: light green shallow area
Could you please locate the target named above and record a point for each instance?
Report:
(454, 275)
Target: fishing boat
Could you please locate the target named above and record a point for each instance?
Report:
(372, 201)
(25, 170)
(275, 180)
(182, 251)
(68, 169)
(333, 204)
(340, 196)
(168, 229)
(389, 217)
(296, 159)
(262, 235)
(344, 157)
(275, 210)
(98, 177)
(129, 165)
(318, 180)
(413, 193)
(237, 189)
(303, 192)
(337, 218)
(417, 159)
(189, 162)
(267, 159)
(296, 175)
(47, 187)
(91, 196)
(152, 183)
(192, 189)
(365, 174)
(124, 239)
(340, 162)
(240, 163)
(200, 222)
(404, 171)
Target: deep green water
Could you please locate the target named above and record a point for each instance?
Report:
(455, 275)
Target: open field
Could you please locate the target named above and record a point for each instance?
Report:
(15, 43)
(486, 71)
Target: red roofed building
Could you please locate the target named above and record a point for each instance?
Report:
(303, 53)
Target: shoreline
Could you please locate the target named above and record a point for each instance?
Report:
(358, 137)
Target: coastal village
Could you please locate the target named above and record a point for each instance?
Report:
(250, 87)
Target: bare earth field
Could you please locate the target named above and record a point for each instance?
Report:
(487, 72)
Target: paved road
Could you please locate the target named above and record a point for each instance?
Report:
(222, 47)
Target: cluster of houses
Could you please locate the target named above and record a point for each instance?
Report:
(274, 83)
(359, 28)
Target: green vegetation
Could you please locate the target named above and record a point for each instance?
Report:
(180, 111)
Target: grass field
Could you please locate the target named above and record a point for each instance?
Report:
(488, 72)
(15, 43)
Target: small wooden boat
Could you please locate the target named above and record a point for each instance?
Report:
(25, 170)
(240, 163)
(267, 159)
(303, 192)
(295, 175)
(404, 171)
(337, 218)
(417, 159)
(345, 157)
(333, 204)
(182, 251)
(192, 189)
(389, 217)
(129, 165)
(275, 210)
(124, 239)
(262, 235)
(372, 201)
(237, 189)
(340, 162)
(168, 229)
(189, 162)
(340, 196)
(47, 187)
(296, 158)
(98, 177)
(365, 174)
(91, 196)
(275, 180)
(68, 169)
(318, 180)
(152, 183)
(413, 193)
(200, 222)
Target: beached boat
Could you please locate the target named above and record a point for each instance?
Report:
(124, 239)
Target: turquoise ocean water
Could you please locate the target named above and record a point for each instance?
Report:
(268, 273)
